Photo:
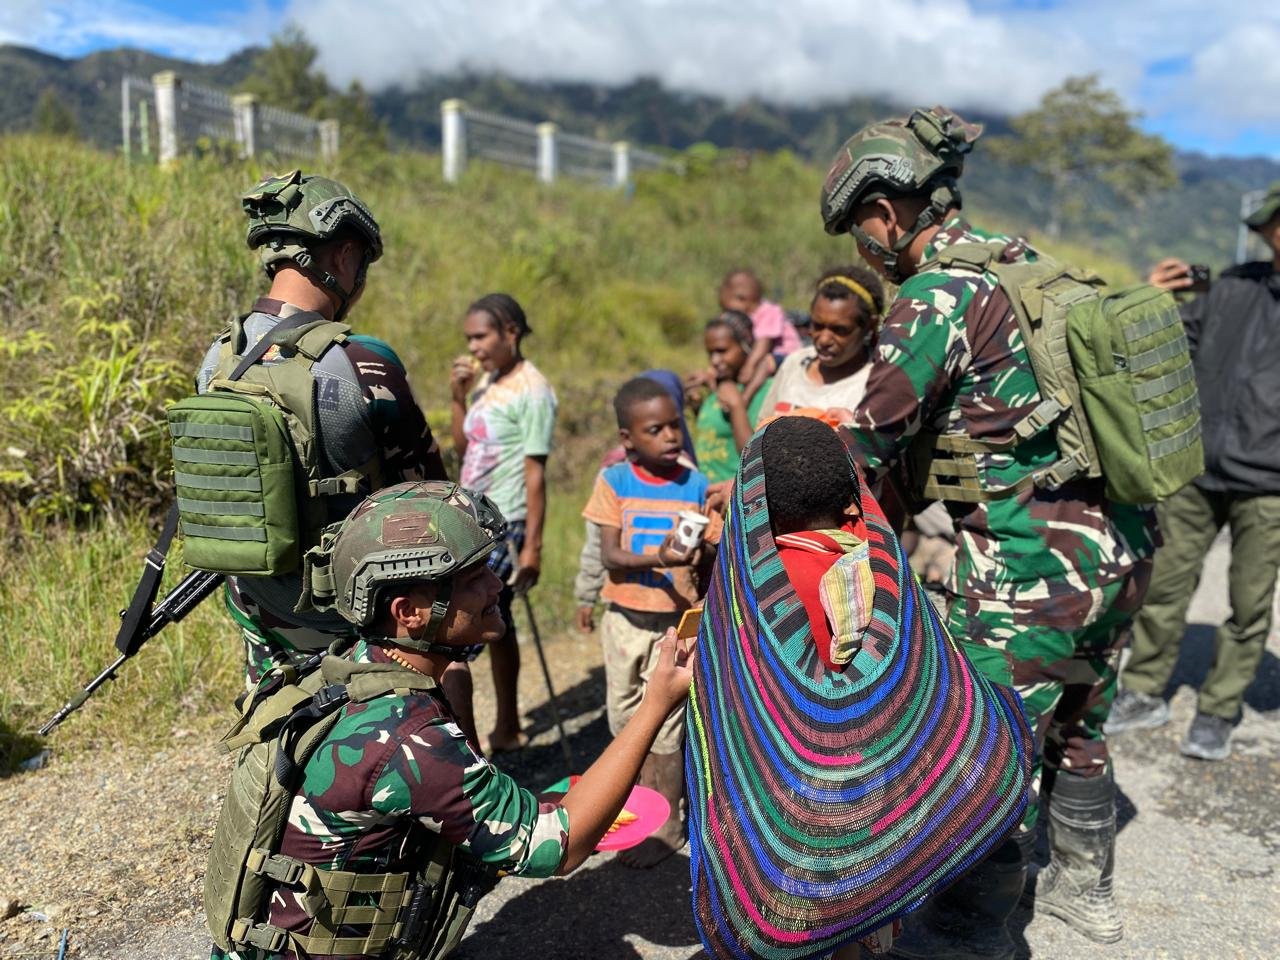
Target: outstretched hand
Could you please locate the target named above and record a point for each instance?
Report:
(671, 677)
(1171, 273)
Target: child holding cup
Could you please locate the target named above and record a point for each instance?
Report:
(654, 536)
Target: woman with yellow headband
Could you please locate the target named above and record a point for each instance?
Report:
(831, 373)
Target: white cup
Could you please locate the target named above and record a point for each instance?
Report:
(689, 530)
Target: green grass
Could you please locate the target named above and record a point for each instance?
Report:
(114, 278)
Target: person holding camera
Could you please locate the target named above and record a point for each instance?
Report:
(1233, 326)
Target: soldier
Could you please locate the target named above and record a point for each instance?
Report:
(1232, 329)
(393, 802)
(1047, 571)
(316, 240)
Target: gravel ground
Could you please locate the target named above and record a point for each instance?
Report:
(113, 847)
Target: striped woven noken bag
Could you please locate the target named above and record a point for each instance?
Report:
(825, 805)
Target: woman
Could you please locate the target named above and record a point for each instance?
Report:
(503, 416)
(727, 418)
(831, 373)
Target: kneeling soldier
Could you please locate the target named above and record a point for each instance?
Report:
(359, 821)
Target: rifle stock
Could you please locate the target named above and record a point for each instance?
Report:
(139, 624)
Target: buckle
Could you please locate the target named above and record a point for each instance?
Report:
(262, 935)
(1045, 412)
(346, 483)
(281, 869)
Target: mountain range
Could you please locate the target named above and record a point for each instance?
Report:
(1197, 220)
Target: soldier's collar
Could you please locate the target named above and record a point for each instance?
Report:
(953, 231)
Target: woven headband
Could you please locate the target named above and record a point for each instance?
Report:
(853, 285)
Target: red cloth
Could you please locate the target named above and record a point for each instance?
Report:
(806, 557)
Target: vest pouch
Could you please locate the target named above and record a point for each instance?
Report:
(1138, 390)
(236, 484)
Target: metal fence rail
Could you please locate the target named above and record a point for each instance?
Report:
(468, 134)
(167, 116)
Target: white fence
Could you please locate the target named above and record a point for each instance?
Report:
(541, 148)
(1249, 245)
(168, 116)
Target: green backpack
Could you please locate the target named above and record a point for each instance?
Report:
(1115, 379)
(246, 454)
(406, 916)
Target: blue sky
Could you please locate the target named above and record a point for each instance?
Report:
(1205, 79)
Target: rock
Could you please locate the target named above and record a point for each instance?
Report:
(36, 762)
(9, 907)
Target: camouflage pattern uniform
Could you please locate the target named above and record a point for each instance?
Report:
(365, 400)
(1044, 581)
(390, 766)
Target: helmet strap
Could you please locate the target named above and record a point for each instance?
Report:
(944, 195)
(427, 643)
(306, 263)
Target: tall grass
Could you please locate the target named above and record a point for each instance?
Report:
(114, 278)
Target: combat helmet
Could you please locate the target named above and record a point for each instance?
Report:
(923, 153)
(291, 214)
(410, 532)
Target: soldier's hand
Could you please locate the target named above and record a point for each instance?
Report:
(1171, 273)
(669, 682)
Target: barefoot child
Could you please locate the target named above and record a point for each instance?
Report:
(651, 581)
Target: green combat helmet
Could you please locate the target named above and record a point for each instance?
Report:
(898, 158)
(292, 214)
(1267, 209)
(410, 532)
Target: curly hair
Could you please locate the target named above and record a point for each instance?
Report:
(739, 326)
(505, 311)
(634, 392)
(808, 477)
(843, 283)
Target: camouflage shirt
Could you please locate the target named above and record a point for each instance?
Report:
(395, 763)
(951, 358)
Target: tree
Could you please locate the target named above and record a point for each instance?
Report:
(53, 118)
(285, 75)
(1082, 135)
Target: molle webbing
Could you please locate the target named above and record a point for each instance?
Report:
(404, 915)
(823, 805)
(246, 457)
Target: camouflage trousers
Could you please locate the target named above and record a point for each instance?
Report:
(1066, 677)
(270, 641)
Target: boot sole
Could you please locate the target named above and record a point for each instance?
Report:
(1150, 721)
(1197, 753)
(1078, 923)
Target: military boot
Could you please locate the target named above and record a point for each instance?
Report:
(1076, 885)
(969, 920)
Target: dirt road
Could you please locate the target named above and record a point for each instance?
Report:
(113, 849)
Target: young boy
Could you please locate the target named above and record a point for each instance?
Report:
(775, 335)
(651, 581)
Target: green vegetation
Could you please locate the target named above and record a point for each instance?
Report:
(114, 278)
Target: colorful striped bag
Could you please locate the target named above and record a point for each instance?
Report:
(825, 805)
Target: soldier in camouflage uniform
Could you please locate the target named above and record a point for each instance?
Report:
(408, 569)
(1046, 576)
(316, 240)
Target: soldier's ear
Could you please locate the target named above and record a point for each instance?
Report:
(412, 609)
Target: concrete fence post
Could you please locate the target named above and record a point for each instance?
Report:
(453, 139)
(328, 140)
(166, 85)
(548, 154)
(126, 117)
(621, 164)
(244, 115)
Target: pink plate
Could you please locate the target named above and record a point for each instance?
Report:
(650, 807)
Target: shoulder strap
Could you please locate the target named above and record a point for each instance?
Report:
(285, 334)
(967, 256)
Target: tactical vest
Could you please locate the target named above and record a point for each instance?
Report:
(250, 473)
(405, 916)
(1115, 379)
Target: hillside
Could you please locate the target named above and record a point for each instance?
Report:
(1197, 220)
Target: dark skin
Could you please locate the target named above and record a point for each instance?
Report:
(653, 439)
(840, 336)
(495, 348)
(886, 222)
(593, 803)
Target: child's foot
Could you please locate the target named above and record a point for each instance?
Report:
(671, 836)
(663, 772)
(497, 743)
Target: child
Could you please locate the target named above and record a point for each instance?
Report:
(741, 290)
(650, 581)
(727, 418)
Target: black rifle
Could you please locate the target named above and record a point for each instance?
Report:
(144, 618)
